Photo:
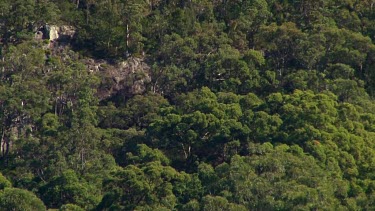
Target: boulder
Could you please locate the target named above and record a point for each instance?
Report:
(56, 33)
(53, 33)
(38, 35)
(66, 33)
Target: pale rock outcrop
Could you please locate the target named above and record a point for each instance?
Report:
(53, 33)
(129, 77)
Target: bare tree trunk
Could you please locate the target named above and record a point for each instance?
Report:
(127, 39)
(184, 150)
(56, 106)
(2, 141)
(5, 145)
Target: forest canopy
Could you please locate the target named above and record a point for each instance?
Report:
(187, 105)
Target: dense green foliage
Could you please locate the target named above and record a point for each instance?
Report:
(250, 105)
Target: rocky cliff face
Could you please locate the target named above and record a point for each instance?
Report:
(55, 33)
(128, 77)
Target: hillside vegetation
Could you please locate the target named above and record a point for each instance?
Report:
(187, 105)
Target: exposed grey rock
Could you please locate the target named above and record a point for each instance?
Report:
(66, 33)
(57, 33)
(128, 77)
(38, 35)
